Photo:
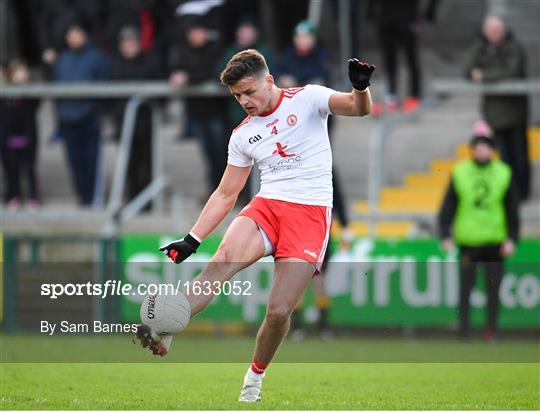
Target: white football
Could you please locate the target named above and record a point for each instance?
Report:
(166, 314)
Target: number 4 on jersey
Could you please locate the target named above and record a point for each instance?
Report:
(274, 130)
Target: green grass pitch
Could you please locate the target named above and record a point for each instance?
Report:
(175, 384)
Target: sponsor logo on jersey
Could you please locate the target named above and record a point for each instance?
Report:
(281, 151)
(254, 139)
(287, 160)
(286, 164)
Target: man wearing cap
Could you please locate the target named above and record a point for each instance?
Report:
(479, 214)
(304, 61)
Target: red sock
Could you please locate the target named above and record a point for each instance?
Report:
(257, 367)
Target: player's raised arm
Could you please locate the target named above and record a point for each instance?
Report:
(358, 101)
(217, 207)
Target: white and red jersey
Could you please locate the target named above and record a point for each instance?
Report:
(290, 146)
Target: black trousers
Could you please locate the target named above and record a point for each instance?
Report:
(394, 37)
(471, 259)
(82, 143)
(19, 166)
(140, 166)
(513, 146)
(210, 131)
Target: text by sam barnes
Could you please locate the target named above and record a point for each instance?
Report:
(96, 326)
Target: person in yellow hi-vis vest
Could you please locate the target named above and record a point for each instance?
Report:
(479, 214)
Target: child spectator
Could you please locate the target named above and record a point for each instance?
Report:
(18, 141)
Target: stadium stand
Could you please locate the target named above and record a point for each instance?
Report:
(422, 192)
(418, 158)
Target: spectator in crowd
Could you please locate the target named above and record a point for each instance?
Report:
(322, 300)
(132, 63)
(56, 15)
(187, 13)
(194, 64)
(235, 12)
(286, 14)
(398, 26)
(150, 18)
(479, 214)
(78, 118)
(304, 61)
(246, 37)
(499, 56)
(18, 141)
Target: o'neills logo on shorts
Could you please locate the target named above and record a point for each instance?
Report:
(310, 253)
(151, 305)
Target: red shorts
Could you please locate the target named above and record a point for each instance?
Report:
(295, 230)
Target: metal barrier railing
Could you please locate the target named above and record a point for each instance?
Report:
(508, 87)
(140, 92)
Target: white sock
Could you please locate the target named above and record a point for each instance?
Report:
(254, 376)
(167, 341)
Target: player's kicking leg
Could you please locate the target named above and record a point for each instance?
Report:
(241, 246)
(291, 278)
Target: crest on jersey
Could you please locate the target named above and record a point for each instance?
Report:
(292, 119)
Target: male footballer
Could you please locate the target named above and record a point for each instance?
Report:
(285, 133)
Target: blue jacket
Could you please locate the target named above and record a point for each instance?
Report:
(310, 68)
(83, 65)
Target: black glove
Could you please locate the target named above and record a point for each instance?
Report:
(180, 250)
(360, 73)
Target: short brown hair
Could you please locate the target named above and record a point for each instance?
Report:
(243, 64)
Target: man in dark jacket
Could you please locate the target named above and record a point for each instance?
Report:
(479, 213)
(150, 18)
(304, 61)
(55, 17)
(78, 118)
(498, 57)
(132, 63)
(192, 64)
